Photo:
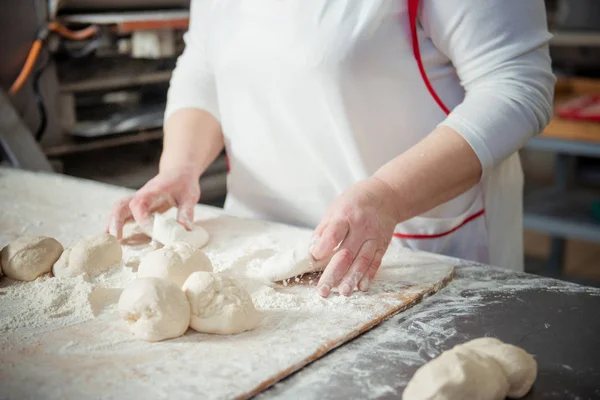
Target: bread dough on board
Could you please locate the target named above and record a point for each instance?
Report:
(28, 257)
(90, 256)
(175, 262)
(482, 369)
(167, 230)
(290, 263)
(155, 309)
(219, 305)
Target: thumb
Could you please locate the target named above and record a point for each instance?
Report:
(185, 214)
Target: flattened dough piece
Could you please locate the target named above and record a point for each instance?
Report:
(168, 231)
(290, 263)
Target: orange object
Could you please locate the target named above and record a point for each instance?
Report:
(128, 27)
(34, 52)
(65, 32)
(36, 48)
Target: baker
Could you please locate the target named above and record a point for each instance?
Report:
(367, 120)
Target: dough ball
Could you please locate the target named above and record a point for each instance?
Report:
(194, 257)
(28, 257)
(90, 256)
(168, 231)
(155, 309)
(219, 304)
(175, 262)
(519, 366)
(458, 375)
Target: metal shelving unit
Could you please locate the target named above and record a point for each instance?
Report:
(587, 39)
(563, 211)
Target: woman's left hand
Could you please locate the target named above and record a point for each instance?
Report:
(356, 231)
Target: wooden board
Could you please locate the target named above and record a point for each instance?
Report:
(98, 358)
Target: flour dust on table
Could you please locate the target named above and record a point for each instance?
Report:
(66, 334)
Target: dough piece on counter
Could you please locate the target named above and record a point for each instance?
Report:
(483, 369)
(519, 366)
(155, 309)
(175, 262)
(90, 256)
(28, 257)
(219, 305)
(458, 375)
(168, 231)
(290, 263)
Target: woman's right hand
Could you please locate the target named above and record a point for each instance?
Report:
(179, 187)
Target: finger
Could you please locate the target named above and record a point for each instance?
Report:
(337, 267)
(317, 233)
(365, 282)
(185, 206)
(331, 237)
(359, 267)
(144, 204)
(119, 215)
(185, 215)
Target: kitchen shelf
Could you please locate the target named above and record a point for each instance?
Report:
(108, 74)
(588, 39)
(72, 145)
(122, 17)
(562, 213)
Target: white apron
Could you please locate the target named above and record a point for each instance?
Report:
(315, 96)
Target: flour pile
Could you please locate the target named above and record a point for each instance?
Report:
(49, 303)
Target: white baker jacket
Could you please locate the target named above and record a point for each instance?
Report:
(315, 95)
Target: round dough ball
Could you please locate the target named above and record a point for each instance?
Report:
(175, 262)
(520, 368)
(28, 257)
(456, 374)
(90, 256)
(155, 309)
(168, 231)
(195, 258)
(219, 304)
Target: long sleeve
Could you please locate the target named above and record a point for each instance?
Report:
(500, 51)
(192, 84)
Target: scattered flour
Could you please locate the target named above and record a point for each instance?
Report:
(50, 303)
(238, 248)
(44, 302)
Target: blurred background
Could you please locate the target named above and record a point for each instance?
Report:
(84, 95)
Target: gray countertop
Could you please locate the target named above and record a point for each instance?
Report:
(557, 322)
